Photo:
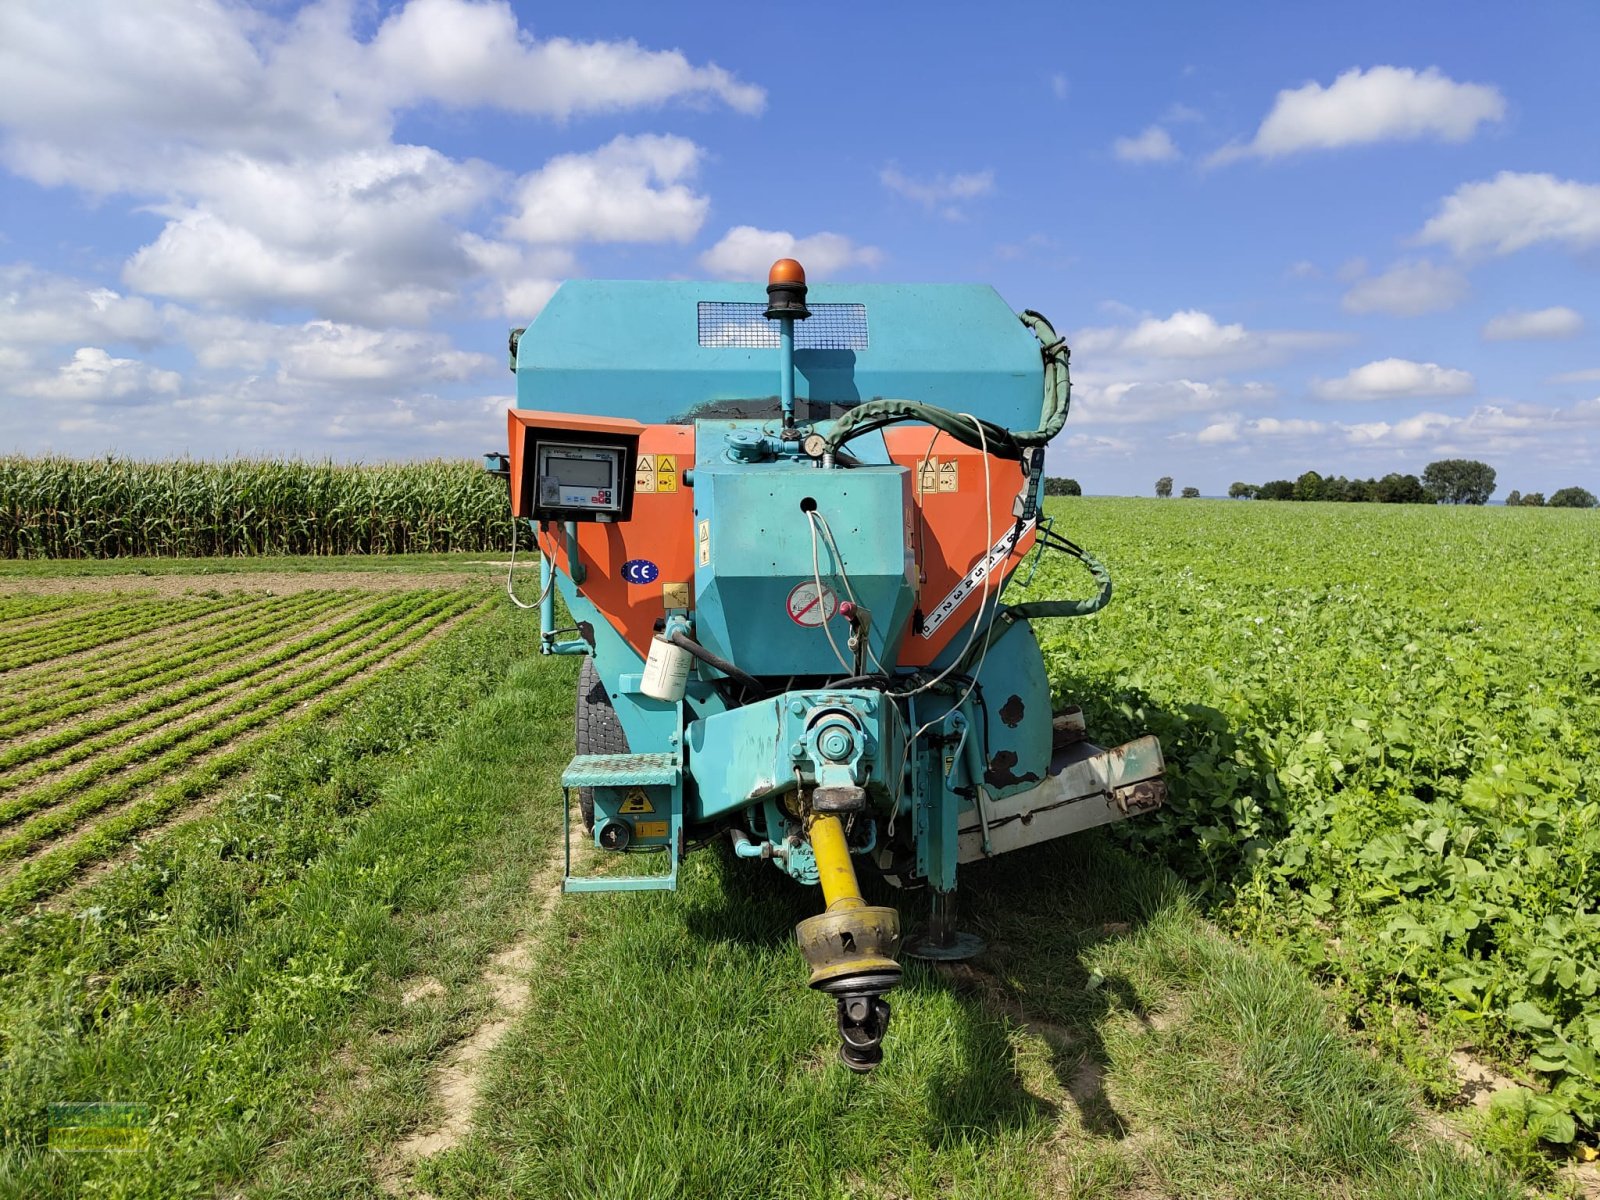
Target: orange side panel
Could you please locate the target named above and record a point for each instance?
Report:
(948, 529)
(660, 533)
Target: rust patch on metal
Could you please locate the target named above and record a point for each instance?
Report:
(1002, 771)
(1142, 796)
(1012, 712)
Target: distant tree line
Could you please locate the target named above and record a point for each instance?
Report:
(1055, 485)
(1393, 488)
(1567, 497)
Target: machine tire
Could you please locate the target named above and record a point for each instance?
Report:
(599, 731)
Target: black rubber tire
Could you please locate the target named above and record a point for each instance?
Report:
(599, 731)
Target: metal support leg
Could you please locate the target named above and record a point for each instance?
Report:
(941, 941)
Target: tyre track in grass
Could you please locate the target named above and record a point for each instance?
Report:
(57, 866)
(54, 748)
(178, 744)
(114, 684)
(456, 1086)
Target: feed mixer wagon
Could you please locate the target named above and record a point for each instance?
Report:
(782, 525)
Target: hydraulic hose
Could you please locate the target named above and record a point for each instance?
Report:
(684, 642)
(1070, 608)
(1002, 443)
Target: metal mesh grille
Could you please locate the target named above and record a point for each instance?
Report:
(830, 326)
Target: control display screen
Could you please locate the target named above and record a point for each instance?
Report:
(574, 476)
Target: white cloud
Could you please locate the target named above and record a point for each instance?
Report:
(471, 54)
(943, 193)
(38, 308)
(1381, 104)
(368, 235)
(114, 102)
(326, 352)
(1127, 402)
(1491, 429)
(95, 377)
(1235, 428)
(1408, 289)
(745, 252)
(1541, 325)
(1059, 86)
(1192, 335)
(1391, 378)
(1513, 211)
(266, 142)
(1155, 144)
(633, 189)
(1589, 375)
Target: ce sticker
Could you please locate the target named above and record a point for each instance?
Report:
(640, 570)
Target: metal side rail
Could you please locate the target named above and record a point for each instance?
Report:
(619, 772)
(1085, 786)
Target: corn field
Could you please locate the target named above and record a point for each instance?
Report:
(115, 507)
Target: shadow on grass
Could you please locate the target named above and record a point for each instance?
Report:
(1039, 912)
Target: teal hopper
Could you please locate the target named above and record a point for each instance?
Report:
(782, 523)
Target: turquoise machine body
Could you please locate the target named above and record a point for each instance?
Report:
(778, 726)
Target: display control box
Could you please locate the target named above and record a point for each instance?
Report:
(574, 478)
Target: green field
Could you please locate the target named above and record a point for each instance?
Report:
(344, 970)
(1385, 728)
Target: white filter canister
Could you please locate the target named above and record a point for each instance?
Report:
(666, 671)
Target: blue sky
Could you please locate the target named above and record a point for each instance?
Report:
(1350, 237)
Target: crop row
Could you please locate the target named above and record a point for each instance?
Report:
(87, 738)
(88, 673)
(222, 748)
(112, 682)
(154, 756)
(155, 619)
(81, 620)
(116, 650)
(105, 508)
(20, 614)
(20, 608)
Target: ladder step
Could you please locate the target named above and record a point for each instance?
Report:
(621, 770)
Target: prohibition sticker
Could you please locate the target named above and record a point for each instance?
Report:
(810, 608)
(636, 802)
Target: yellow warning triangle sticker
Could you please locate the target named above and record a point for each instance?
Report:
(636, 802)
(645, 463)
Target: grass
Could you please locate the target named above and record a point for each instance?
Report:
(1109, 1044)
(210, 978)
(255, 977)
(156, 734)
(1382, 729)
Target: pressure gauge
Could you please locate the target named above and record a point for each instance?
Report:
(814, 445)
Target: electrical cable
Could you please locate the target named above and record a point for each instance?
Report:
(988, 544)
(844, 576)
(816, 575)
(512, 566)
